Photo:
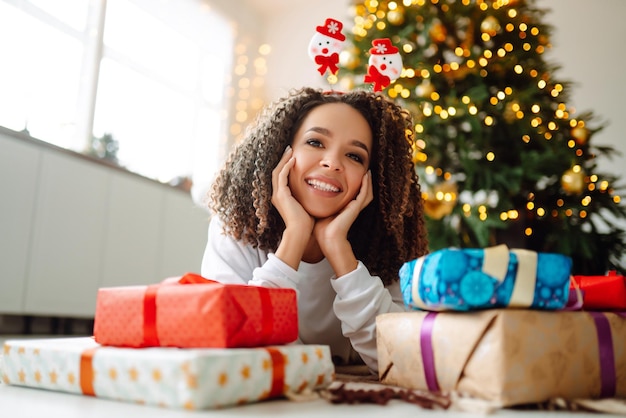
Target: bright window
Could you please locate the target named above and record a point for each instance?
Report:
(150, 74)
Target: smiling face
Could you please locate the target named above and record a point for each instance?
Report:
(389, 64)
(324, 45)
(332, 149)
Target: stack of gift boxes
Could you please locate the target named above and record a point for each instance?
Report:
(509, 327)
(186, 343)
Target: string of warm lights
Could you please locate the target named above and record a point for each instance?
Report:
(250, 69)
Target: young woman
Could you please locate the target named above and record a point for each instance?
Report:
(322, 196)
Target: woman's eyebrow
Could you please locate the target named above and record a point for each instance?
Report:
(360, 144)
(327, 132)
(319, 130)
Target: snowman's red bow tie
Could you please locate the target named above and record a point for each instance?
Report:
(327, 62)
(374, 76)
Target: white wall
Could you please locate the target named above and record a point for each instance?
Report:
(289, 28)
(588, 43)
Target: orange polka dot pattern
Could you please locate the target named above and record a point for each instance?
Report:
(209, 314)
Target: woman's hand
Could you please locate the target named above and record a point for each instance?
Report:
(290, 209)
(298, 223)
(332, 233)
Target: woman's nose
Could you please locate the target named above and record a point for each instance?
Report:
(332, 163)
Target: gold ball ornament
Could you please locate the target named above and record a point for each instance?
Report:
(438, 32)
(490, 26)
(441, 200)
(424, 89)
(573, 182)
(414, 152)
(458, 74)
(509, 113)
(396, 17)
(347, 83)
(418, 156)
(580, 135)
(349, 58)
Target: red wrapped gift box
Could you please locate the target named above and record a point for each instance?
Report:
(192, 311)
(602, 292)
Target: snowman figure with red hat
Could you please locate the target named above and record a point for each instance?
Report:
(325, 46)
(384, 64)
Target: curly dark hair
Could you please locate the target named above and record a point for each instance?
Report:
(387, 233)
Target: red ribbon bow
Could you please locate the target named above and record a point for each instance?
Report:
(327, 62)
(150, 336)
(374, 76)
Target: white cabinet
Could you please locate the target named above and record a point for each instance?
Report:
(183, 244)
(133, 231)
(19, 165)
(69, 226)
(68, 239)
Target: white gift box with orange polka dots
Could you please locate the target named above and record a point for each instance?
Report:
(168, 377)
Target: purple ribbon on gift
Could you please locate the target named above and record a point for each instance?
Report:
(574, 300)
(428, 355)
(607, 357)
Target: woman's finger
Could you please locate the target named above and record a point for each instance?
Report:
(280, 174)
(366, 194)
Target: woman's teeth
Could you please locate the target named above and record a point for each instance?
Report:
(320, 185)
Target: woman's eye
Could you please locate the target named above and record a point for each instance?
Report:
(356, 157)
(314, 143)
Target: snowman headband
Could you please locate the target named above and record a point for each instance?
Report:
(384, 65)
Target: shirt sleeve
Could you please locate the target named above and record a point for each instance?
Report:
(227, 260)
(360, 298)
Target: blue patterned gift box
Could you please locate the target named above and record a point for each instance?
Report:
(495, 277)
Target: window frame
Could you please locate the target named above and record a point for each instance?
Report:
(95, 50)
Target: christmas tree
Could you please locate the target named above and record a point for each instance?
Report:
(501, 157)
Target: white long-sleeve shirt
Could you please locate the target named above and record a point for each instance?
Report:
(338, 312)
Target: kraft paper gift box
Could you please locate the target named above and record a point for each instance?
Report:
(505, 356)
(168, 377)
(192, 311)
(495, 277)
